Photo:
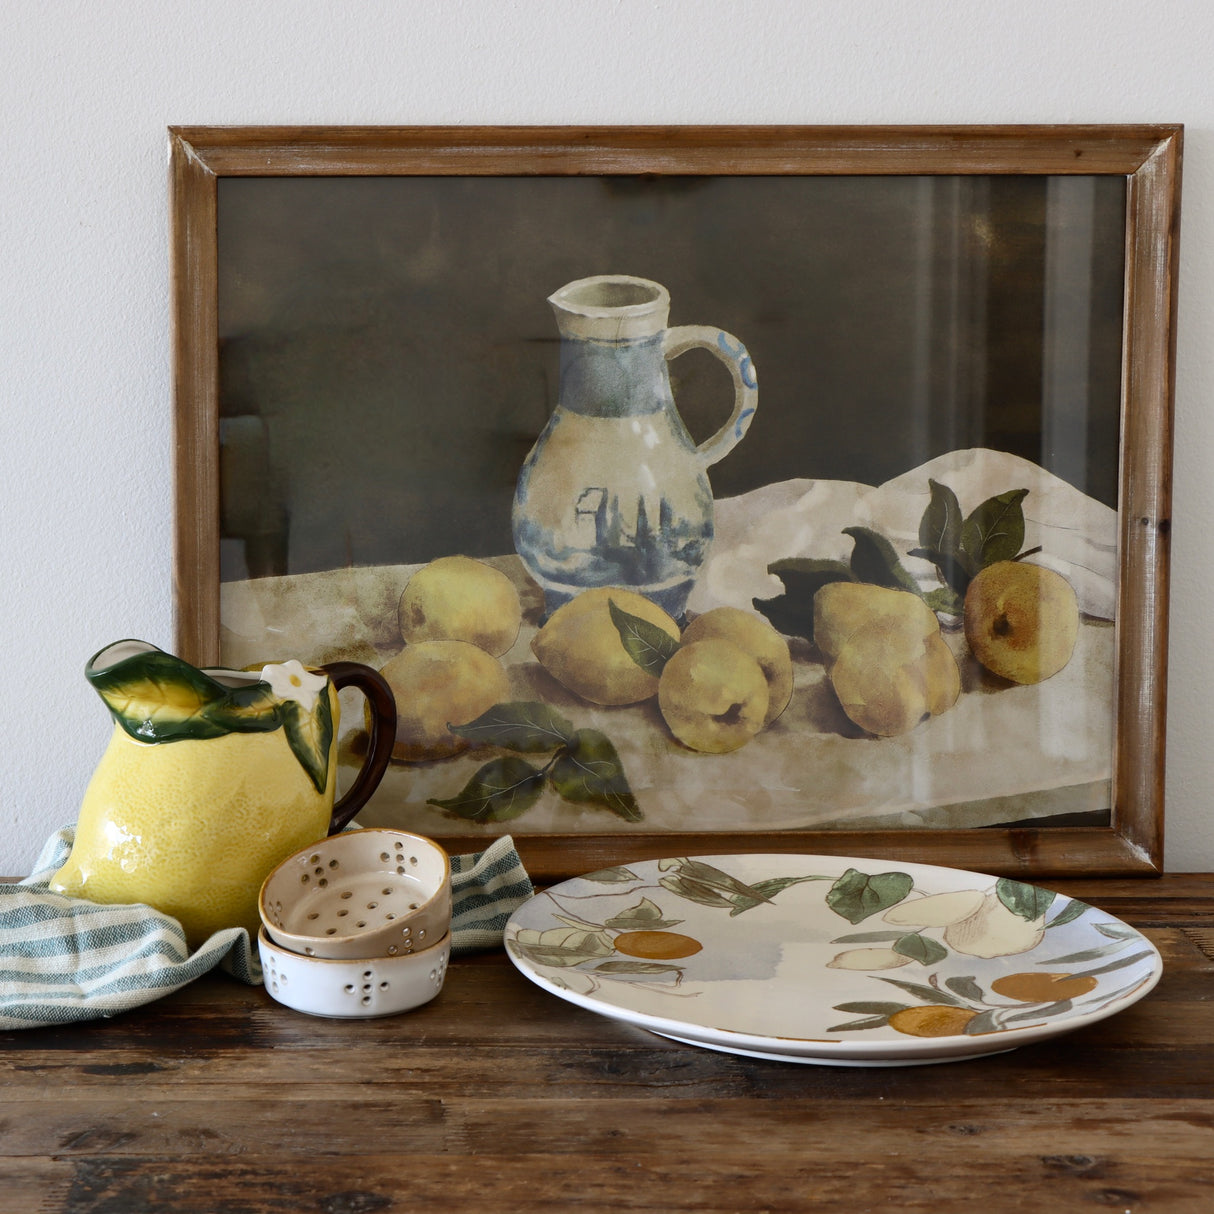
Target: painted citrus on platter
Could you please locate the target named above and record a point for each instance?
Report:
(931, 1020)
(1043, 988)
(656, 946)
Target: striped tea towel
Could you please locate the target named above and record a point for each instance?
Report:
(64, 959)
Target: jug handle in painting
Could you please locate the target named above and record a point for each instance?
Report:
(382, 716)
(733, 354)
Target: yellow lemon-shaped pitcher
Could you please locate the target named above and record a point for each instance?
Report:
(212, 778)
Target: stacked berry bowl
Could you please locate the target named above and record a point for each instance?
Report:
(357, 925)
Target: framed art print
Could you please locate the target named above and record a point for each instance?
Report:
(713, 489)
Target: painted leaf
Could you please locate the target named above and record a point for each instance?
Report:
(502, 789)
(695, 891)
(1087, 954)
(984, 1022)
(524, 725)
(871, 1008)
(617, 875)
(945, 600)
(966, 987)
(994, 531)
(874, 560)
(868, 937)
(1073, 910)
(1117, 931)
(920, 948)
(649, 646)
(637, 967)
(714, 886)
(561, 946)
(765, 891)
(1039, 1013)
(310, 735)
(792, 613)
(589, 772)
(856, 896)
(940, 526)
(1133, 959)
(870, 1022)
(646, 915)
(1027, 901)
(928, 994)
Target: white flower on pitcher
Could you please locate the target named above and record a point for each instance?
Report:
(291, 681)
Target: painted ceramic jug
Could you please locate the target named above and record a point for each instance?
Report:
(212, 778)
(614, 492)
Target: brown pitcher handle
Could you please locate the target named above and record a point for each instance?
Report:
(383, 735)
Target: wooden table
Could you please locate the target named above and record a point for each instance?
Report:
(499, 1097)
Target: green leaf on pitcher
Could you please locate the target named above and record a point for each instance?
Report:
(157, 697)
(250, 709)
(502, 789)
(310, 735)
(589, 772)
(525, 725)
(649, 646)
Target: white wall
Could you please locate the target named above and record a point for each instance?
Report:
(87, 88)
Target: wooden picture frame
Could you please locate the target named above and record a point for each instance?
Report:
(1143, 163)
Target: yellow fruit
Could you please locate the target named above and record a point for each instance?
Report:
(994, 931)
(656, 946)
(931, 1020)
(1043, 987)
(842, 607)
(193, 827)
(581, 648)
(755, 636)
(458, 599)
(713, 696)
(441, 683)
(891, 668)
(935, 910)
(1021, 620)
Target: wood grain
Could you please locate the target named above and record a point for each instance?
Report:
(498, 1096)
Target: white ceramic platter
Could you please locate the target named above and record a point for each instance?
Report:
(830, 959)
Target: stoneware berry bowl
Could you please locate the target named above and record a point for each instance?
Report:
(359, 894)
(353, 988)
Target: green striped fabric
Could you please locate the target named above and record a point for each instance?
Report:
(64, 959)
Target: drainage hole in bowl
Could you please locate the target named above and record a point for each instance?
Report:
(372, 905)
(347, 894)
(330, 931)
(313, 914)
(383, 855)
(341, 914)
